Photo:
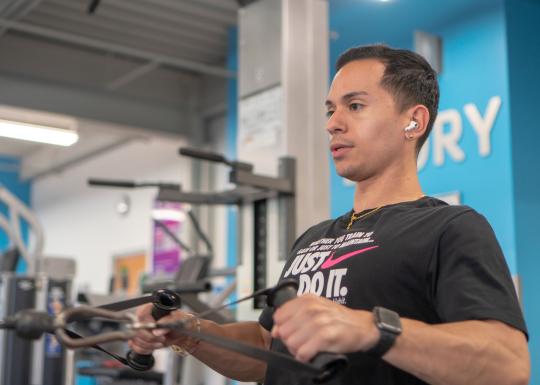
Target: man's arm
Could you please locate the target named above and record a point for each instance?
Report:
(469, 352)
(230, 364)
(461, 353)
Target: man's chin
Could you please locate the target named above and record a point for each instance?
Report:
(347, 174)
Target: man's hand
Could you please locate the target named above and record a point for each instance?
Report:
(230, 364)
(146, 341)
(310, 324)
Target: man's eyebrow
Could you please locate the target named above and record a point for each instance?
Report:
(354, 94)
(347, 97)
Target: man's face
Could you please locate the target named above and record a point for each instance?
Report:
(364, 123)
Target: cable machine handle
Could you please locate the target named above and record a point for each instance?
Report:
(165, 302)
(330, 364)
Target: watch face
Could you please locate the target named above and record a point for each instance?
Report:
(388, 320)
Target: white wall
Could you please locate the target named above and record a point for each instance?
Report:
(81, 221)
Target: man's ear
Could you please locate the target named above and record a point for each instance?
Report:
(418, 122)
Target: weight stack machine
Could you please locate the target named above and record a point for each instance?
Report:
(47, 286)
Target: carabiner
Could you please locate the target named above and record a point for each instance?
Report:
(86, 312)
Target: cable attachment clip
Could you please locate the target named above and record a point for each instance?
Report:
(83, 313)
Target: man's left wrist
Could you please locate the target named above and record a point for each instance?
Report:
(388, 325)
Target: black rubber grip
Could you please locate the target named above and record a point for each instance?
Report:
(330, 364)
(165, 301)
(204, 155)
(30, 324)
(111, 183)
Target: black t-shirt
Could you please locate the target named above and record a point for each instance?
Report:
(424, 259)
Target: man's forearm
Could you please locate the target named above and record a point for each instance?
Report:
(471, 352)
(230, 364)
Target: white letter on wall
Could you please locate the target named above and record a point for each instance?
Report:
(483, 126)
(447, 141)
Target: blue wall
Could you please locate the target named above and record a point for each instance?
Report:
(523, 32)
(9, 178)
(474, 71)
(490, 48)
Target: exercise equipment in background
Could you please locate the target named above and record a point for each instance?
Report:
(46, 286)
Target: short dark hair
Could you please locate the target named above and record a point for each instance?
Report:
(407, 76)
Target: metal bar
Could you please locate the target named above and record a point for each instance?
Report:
(18, 212)
(226, 198)
(173, 236)
(38, 359)
(221, 272)
(64, 165)
(16, 9)
(287, 210)
(241, 177)
(11, 6)
(133, 52)
(21, 14)
(131, 76)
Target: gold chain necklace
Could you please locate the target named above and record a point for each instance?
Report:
(356, 217)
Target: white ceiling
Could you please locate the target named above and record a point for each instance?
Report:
(158, 63)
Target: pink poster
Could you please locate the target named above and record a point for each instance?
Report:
(167, 254)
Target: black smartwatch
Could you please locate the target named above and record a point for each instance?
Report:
(389, 325)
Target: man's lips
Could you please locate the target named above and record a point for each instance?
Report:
(339, 149)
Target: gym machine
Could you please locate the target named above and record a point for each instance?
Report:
(31, 324)
(45, 286)
(251, 195)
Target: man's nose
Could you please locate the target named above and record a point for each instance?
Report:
(335, 123)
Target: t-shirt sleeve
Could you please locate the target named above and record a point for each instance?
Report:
(472, 279)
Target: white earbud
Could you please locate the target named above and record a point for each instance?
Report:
(412, 126)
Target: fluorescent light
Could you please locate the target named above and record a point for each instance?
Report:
(37, 133)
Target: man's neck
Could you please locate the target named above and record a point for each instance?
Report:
(387, 189)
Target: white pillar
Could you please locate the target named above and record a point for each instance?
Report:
(283, 81)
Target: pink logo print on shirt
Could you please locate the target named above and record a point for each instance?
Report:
(332, 262)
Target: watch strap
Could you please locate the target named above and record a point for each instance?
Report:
(386, 341)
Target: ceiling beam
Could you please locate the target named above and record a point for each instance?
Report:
(126, 19)
(178, 63)
(202, 12)
(30, 171)
(132, 75)
(227, 5)
(19, 14)
(121, 34)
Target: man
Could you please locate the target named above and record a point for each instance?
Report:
(445, 310)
